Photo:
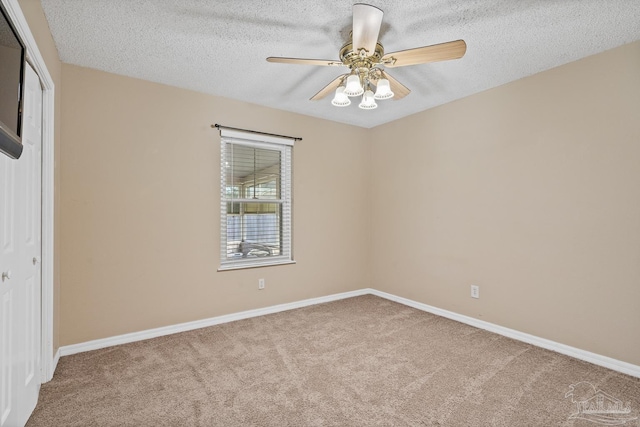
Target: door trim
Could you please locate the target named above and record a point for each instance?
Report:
(48, 184)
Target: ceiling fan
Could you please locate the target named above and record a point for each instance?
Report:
(365, 58)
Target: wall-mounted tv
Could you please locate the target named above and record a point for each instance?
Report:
(11, 88)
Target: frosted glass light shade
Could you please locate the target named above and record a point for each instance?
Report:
(368, 102)
(340, 99)
(354, 88)
(383, 90)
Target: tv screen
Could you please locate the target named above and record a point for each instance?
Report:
(11, 78)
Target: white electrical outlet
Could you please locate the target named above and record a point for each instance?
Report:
(475, 291)
(260, 283)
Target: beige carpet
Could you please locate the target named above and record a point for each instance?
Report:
(363, 361)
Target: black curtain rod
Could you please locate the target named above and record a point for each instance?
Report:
(255, 131)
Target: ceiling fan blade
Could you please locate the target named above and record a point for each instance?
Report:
(399, 90)
(422, 55)
(329, 88)
(324, 62)
(366, 27)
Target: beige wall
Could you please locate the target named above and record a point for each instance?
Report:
(530, 191)
(39, 27)
(141, 212)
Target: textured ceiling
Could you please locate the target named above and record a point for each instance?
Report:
(219, 47)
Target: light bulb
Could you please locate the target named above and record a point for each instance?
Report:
(353, 88)
(340, 100)
(368, 102)
(383, 90)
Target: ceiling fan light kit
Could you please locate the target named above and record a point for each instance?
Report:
(340, 99)
(383, 90)
(353, 87)
(368, 102)
(365, 58)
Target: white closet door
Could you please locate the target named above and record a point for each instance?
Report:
(32, 240)
(20, 252)
(10, 223)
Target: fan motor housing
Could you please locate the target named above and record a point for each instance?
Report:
(354, 60)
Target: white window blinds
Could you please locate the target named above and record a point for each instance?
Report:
(256, 200)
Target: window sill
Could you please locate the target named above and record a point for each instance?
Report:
(243, 266)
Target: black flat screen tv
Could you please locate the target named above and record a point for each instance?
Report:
(11, 87)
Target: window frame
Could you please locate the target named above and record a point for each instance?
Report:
(285, 146)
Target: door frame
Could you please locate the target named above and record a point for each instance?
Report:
(49, 359)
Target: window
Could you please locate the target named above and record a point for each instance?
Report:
(255, 200)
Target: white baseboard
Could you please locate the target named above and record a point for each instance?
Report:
(48, 367)
(56, 359)
(596, 359)
(188, 326)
